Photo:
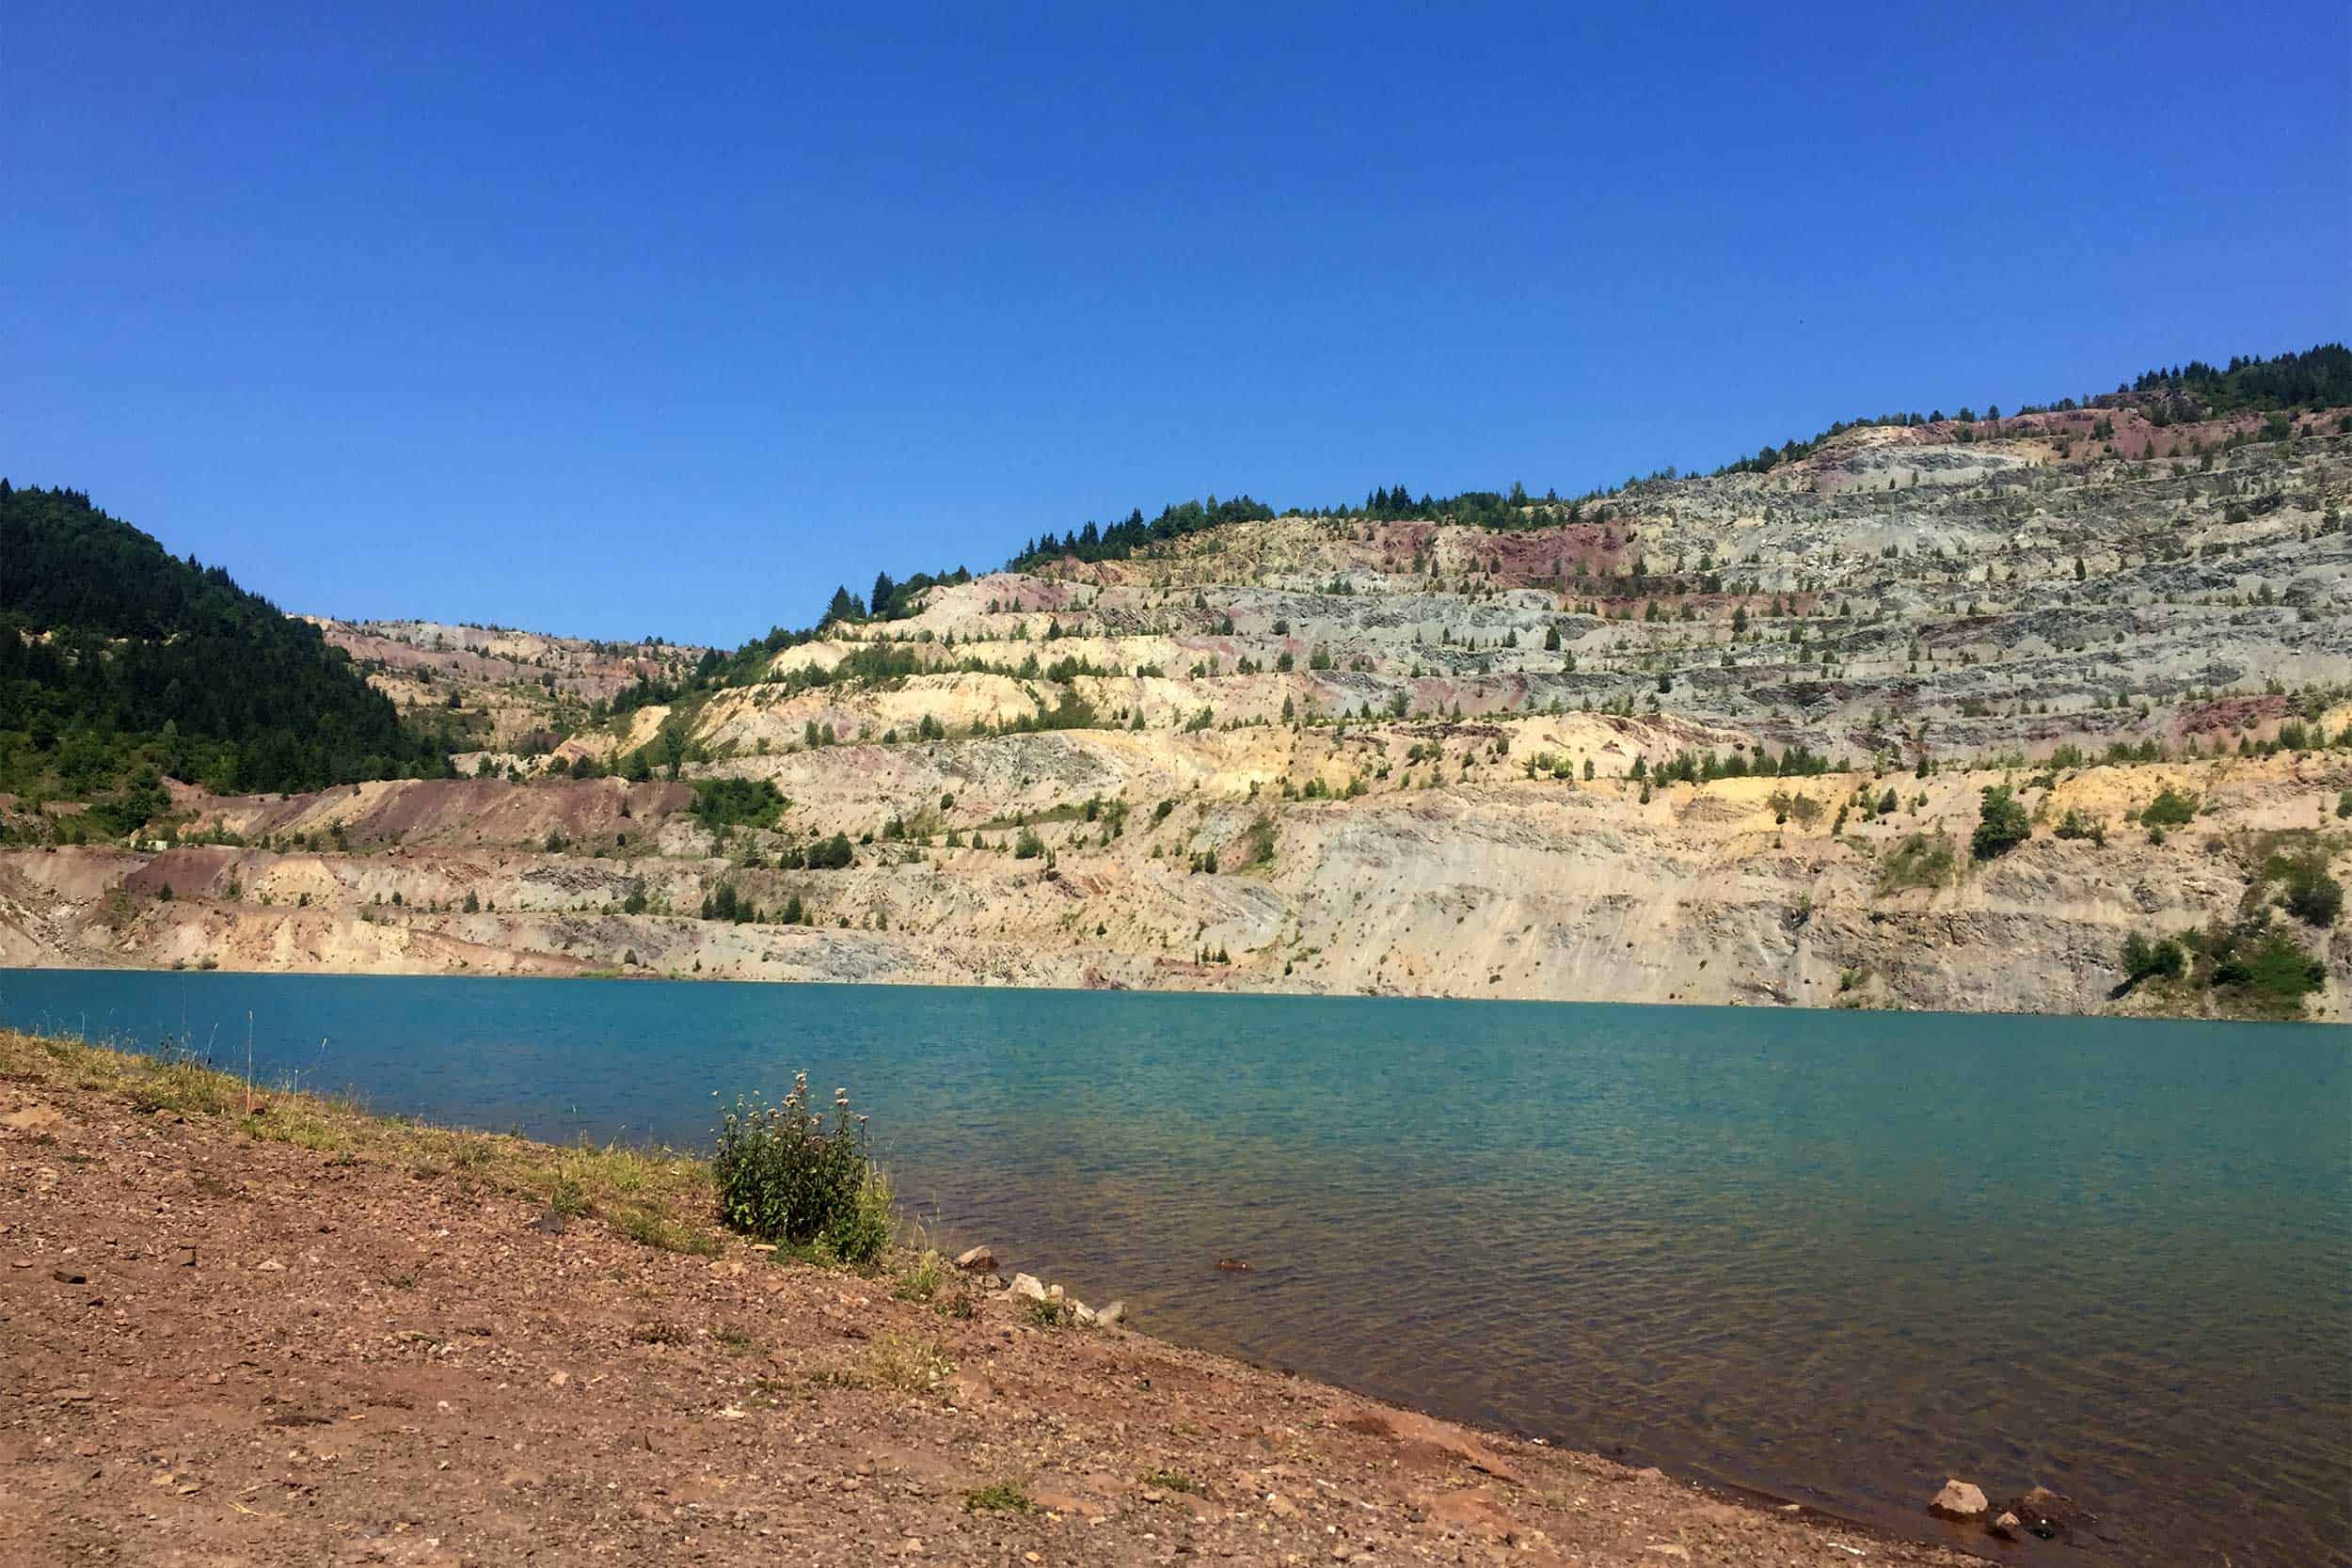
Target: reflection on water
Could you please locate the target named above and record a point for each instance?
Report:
(1835, 1256)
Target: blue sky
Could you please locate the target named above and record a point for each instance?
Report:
(615, 323)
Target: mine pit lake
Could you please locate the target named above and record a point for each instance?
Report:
(1830, 1255)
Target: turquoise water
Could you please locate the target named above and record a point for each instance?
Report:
(1832, 1256)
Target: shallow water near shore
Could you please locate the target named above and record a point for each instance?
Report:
(1832, 1255)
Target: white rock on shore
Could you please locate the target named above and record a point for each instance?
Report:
(1958, 1499)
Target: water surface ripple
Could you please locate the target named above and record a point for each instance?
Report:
(1834, 1256)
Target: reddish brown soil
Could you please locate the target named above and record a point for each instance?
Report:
(220, 1349)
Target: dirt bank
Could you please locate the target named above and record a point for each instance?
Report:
(306, 1335)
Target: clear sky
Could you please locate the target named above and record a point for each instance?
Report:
(666, 319)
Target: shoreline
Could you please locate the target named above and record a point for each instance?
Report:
(2313, 1019)
(1418, 1485)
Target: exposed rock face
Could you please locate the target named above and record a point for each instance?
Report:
(1489, 819)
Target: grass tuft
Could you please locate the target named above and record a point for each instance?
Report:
(908, 1363)
(657, 1196)
(921, 1280)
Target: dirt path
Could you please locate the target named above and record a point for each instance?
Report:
(308, 1335)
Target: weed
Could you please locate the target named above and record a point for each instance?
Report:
(181, 1085)
(910, 1365)
(1002, 1497)
(290, 1121)
(786, 1175)
(1172, 1481)
(921, 1282)
(652, 1194)
(664, 1231)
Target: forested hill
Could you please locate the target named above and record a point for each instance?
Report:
(120, 664)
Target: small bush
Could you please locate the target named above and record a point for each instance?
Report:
(2075, 826)
(1258, 843)
(1002, 1498)
(2169, 809)
(2312, 896)
(2268, 972)
(1922, 859)
(784, 1175)
(2143, 959)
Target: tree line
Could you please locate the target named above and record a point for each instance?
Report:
(122, 665)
